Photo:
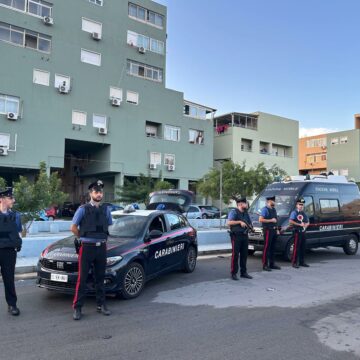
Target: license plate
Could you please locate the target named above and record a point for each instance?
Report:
(59, 277)
(251, 247)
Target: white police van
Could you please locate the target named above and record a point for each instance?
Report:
(332, 204)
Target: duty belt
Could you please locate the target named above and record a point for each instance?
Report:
(98, 243)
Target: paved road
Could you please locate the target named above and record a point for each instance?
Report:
(289, 314)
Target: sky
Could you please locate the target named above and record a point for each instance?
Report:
(297, 59)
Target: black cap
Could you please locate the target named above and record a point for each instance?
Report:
(97, 185)
(270, 198)
(300, 201)
(241, 200)
(6, 192)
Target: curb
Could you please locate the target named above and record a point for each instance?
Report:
(29, 272)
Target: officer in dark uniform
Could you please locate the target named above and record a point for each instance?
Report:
(240, 223)
(268, 218)
(90, 223)
(10, 243)
(299, 222)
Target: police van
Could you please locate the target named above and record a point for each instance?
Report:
(332, 204)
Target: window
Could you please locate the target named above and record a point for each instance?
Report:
(99, 121)
(169, 159)
(60, 79)
(150, 17)
(334, 141)
(316, 143)
(25, 38)
(151, 131)
(16, 4)
(9, 104)
(4, 140)
(132, 97)
(309, 206)
(39, 8)
(90, 57)
(155, 158)
(97, 2)
(343, 139)
(79, 118)
(329, 206)
(344, 172)
(115, 93)
(138, 40)
(195, 111)
(41, 77)
(196, 137)
(91, 26)
(172, 133)
(34, 7)
(145, 71)
(174, 221)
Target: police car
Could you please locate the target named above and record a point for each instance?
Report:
(142, 244)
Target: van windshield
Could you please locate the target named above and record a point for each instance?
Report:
(284, 204)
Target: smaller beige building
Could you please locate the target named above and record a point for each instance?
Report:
(257, 137)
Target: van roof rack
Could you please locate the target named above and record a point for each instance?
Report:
(341, 179)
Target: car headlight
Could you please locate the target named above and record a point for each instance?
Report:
(113, 260)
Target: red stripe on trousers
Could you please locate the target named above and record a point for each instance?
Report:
(79, 277)
(233, 253)
(266, 246)
(295, 248)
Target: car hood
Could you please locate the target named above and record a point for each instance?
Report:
(64, 249)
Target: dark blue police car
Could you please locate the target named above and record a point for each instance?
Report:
(142, 244)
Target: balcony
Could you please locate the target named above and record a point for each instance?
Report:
(245, 121)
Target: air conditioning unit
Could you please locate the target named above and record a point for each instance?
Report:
(141, 50)
(3, 151)
(152, 166)
(115, 101)
(96, 36)
(48, 20)
(103, 131)
(64, 88)
(171, 167)
(12, 116)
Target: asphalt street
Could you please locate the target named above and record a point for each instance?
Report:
(299, 314)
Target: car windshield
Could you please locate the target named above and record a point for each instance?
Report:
(127, 225)
(284, 204)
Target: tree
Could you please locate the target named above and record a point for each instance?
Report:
(139, 189)
(237, 181)
(32, 197)
(2, 183)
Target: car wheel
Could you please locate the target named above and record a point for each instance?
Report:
(51, 218)
(190, 260)
(289, 249)
(251, 252)
(351, 245)
(133, 281)
(204, 216)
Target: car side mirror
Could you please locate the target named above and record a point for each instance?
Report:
(154, 234)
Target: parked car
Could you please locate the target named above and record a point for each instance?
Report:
(173, 199)
(225, 212)
(68, 209)
(194, 212)
(332, 204)
(209, 212)
(142, 245)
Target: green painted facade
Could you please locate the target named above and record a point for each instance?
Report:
(44, 129)
(343, 153)
(274, 140)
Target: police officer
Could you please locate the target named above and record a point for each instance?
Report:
(299, 222)
(268, 218)
(239, 222)
(10, 243)
(90, 223)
